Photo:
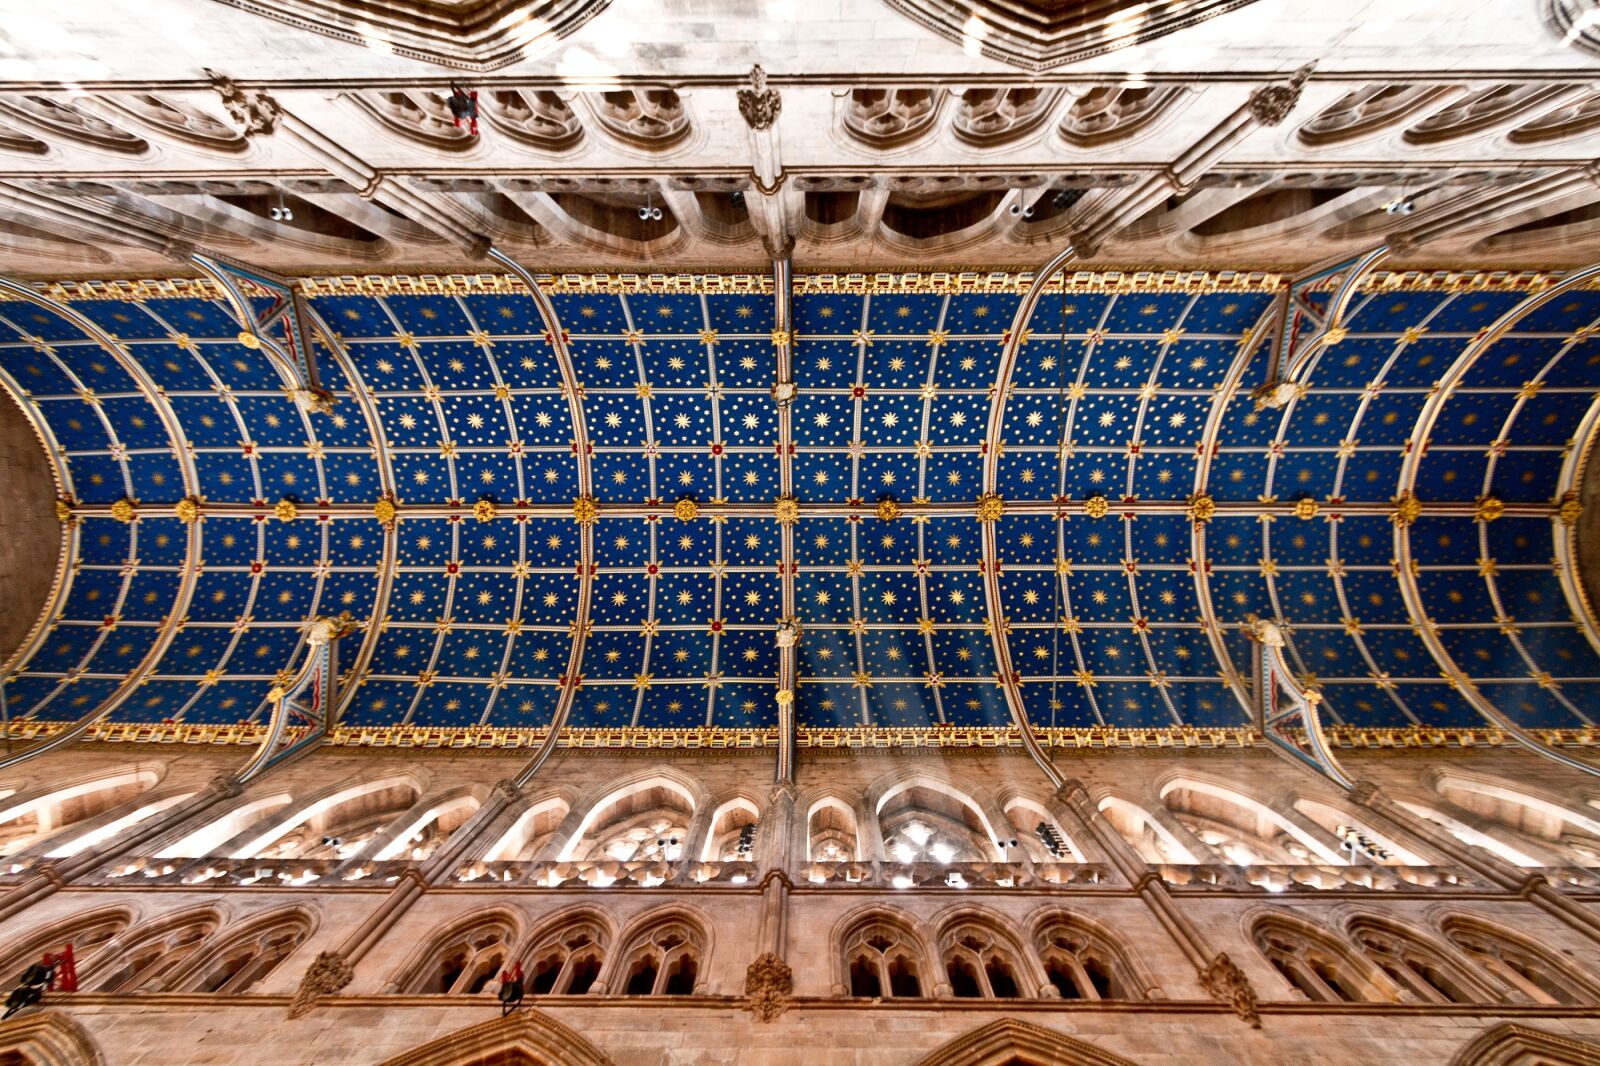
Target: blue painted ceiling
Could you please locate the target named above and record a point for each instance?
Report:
(1113, 395)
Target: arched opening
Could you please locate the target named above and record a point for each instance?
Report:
(980, 962)
(527, 838)
(1529, 971)
(645, 822)
(921, 823)
(1415, 965)
(1364, 844)
(334, 827)
(1314, 963)
(244, 958)
(1154, 843)
(1041, 836)
(428, 830)
(664, 959)
(1468, 835)
(1242, 830)
(733, 832)
(86, 933)
(151, 956)
(29, 821)
(566, 961)
(464, 959)
(1571, 833)
(882, 960)
(1084, 963)
(831, 832)
(211, 836)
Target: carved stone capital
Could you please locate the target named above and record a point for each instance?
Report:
(767, 985)
(178, 250)
(779, 248)
(1226, 983)
(224, 786)
(252, 110)
(1364, 792)
(758, 104)
(327, 974)
(1072, 791)
(508, 790)
(1271, 104)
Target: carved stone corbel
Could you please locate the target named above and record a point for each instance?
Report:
(768, 983)
(1271, 104)
(1226, 983)
(327, 975)
(758, 104)
(252, 110)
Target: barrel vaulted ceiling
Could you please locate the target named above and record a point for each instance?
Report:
(452, 401)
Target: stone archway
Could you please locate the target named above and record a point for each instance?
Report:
(1008, 1041)
(48, 1038)
(526, 1038)
(1508, 1044)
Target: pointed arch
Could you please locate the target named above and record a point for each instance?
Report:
(1563, 827)
(534, 828)
(1532, 972)
(724, 828)
(1317, 963)
(880, 954)
(832, 834)
(912, 796)
(1009, 1042)
(1144, 832)
(35, 815)
(529, 1036)
(1208, 807)
(1084, 959)
(629, 801)
(49, 1038)
(87, 932)
(566, 953)
(983, 959)
(149, 956)
(350, 807)
(247, 952)
(463, 956)
(665, 952)
(1509, 1044)
(1416, 963)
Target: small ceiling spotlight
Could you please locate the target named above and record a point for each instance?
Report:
(281, 212)
(736, 198)
(649, 212)
(1400, 205)
(1020, 208)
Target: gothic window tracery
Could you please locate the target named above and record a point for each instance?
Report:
(567, 961)
(663, 960)
(462, 961)
(883, 960)
(1480, 111)
(733, 832)
(831, 833)
(336, 828)
(86, 933)
(1083, 964)
(148, 958)
(988, 117)
(646, 823)
(645, 118)
(1366, 111)
(1243, 831)
(181, 122)
(980, 964)
(1108, 113)
(30, 821)
(1532, 974)
(1415, 965)
(922, 823)
(1316, 965)
(246, 958)
(887, 118)
(1572, 834)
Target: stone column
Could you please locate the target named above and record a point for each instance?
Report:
(760, 107)
(777, 838)
(1224, 981)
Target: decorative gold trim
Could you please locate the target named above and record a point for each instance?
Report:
(187, 509)
(990, 507)
(686, 510)
(888, 510)
(1202, 507)
(1097, 507)
(484, 510)
(786, 509)
(1488, 508)
(124, 510)
(385, 510)
(585, 509)
(1306, 509)
(286, 511)
(1095, 738)
(882, 283)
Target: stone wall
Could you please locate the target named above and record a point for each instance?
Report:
(30, 536)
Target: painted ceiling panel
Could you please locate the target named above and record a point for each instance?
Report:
(452, 394)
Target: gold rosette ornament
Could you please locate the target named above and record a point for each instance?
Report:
(249, 340)
(64, 511)
(385, 510)
(786, 509)
(1488, 508)
(990, 506)
(1306, 509)
(1571, 509)
(1202, 508)
(1097, 507)
(888, 510)
(585, 509)
(286, 511)
(686, 510)
(484, 510)
(122, 510)
(785, 697)
(187, 509)
(1407, 509)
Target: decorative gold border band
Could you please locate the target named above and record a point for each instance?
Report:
(465, 738)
